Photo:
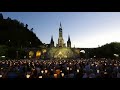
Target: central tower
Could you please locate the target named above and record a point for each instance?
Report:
(60, 39)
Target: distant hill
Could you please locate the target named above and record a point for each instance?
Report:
(14, 33)
(106, 51)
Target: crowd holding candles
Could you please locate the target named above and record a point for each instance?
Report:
(80, 68)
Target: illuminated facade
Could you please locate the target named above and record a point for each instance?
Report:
(59, 51)
(60, 39)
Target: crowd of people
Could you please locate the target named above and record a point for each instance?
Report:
(80, 68)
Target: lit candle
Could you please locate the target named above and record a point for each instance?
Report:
(42, 71)
(46, 71)
(0, 76)
(67, 68)
(55, 75)
(105, 72)
(70, 68)
(98, 71)
(27, 76)
(62, 74)
(77, 70)
(40, 77)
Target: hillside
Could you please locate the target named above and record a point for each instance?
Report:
(14, 33)
(106, 51)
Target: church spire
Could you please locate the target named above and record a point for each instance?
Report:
(60, 25)
(60, 30)
(69, 42)
(68, 37)
(52, 42)
(52, 38)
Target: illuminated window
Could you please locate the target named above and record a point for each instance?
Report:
(31, 54)
(38, 53)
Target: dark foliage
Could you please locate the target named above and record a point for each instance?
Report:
(15, 34)
(106, 51)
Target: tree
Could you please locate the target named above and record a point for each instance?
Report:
(32, 29)
(26, 26)
(1, 16)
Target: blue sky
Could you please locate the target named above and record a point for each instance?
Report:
(86, 29)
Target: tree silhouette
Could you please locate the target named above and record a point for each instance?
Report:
(1, 16)
(26, 26)
(32, 29)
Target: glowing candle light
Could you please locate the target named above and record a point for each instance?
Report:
(55, 75)
(98, 71)
(42, 71)
(70, 68)
(40, 77)
(77, 70)
(46, 71)
(62, 74)
(0, 76)
(105, 72)
(67, 68)
(27, 76)
(57, 71)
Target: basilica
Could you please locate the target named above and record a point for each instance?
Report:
(60, 40)
(60, 51)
